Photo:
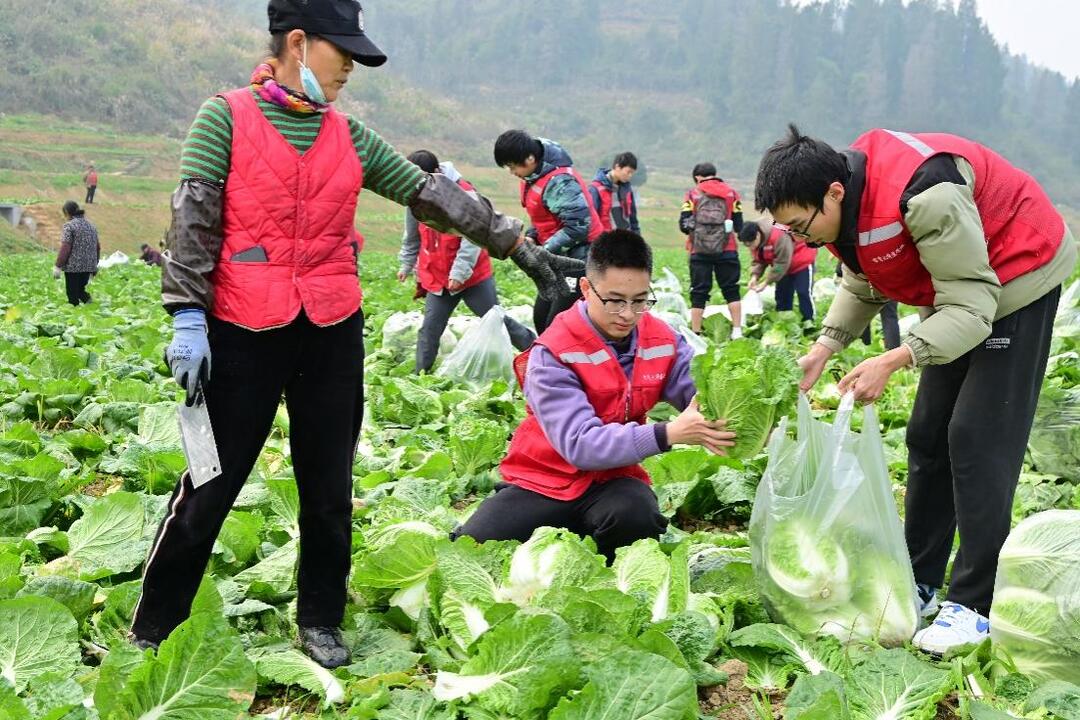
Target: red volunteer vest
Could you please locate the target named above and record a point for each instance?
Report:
(1023, 229)
(437, 253)
(721, 189)
(604, 211)
(532, 462)
(299, 209)
(802, 256)
(545, 221)
(91, 177)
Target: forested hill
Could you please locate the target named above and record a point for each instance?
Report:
(678, 82)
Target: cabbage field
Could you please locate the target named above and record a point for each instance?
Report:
(676, 629)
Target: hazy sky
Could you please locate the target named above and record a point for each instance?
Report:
(1044, 30)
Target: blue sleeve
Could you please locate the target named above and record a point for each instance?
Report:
(564, 198)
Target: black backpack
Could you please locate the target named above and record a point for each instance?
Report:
(709, 235)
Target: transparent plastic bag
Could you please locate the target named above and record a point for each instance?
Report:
(826, 541)
(1036, 610)
(399, 333)
(483, 354)
(666, 282)
(752, 303)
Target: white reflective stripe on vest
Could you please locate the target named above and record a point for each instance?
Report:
(876, 235)
(913, 142)
(657, 352)
(597, 358)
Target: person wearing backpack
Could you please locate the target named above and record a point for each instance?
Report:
(939, 222)
(556, 199)
(449, 270)
(781, 259)
(711, 216)
(590, 381)
(612, 194)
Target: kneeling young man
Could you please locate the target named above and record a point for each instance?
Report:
(589, 381)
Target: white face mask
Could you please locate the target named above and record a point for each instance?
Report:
(311, 85)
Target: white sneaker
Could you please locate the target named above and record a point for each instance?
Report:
(954, 627)
(928, 601)
(736, 333)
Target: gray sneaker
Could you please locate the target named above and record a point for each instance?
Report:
(324, 645)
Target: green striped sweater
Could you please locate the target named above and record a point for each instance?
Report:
(206, 150)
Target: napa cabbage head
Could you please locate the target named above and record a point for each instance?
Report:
(750, 385)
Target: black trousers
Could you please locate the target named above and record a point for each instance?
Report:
(545, 311)
(966, 441)
(890, 326)
(320, 372)
(702, 269)
(479, 298)
(90, 191)
(800, 283)
(614, 513)
(75, 285)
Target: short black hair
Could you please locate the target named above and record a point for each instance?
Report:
(749, 232)
(619, 249)
(514, 147)
(425, 160)
(144, 246)
(72, 209)
(625, 159)
(705, 169)
(798, 170)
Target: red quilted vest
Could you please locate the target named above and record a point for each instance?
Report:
(437, 253)
(299, 210)
(802, 256)
(1023, 229)
(532, 462)
(545, 221)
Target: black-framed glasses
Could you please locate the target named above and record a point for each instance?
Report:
(805, 232)
(615, 306)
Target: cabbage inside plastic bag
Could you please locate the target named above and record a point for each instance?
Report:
(399, 333)
(826, 542)
(666, 282)
(1054, 443)
(752, 303)
(483, 354)
(1036, 610)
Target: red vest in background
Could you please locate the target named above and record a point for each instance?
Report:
(437, 253)
(532, 462)
(717, 188)
(1023, 230)
(802, 256)
(545, 221)
(604, 211)
(299, 210)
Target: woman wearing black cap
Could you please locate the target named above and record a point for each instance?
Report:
(262, 278)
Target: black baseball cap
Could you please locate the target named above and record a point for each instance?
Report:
(339, 21)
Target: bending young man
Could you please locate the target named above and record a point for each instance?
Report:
(450, 270)
(556, 200)
(922, 219)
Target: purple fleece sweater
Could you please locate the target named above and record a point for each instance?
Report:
(569, 421)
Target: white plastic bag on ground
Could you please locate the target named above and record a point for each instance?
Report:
(1036, 610)
(399, 333)
(666, 282)
(752, 304)
(826, 542)
(116, 258)
(482, 354)
(671, 303)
